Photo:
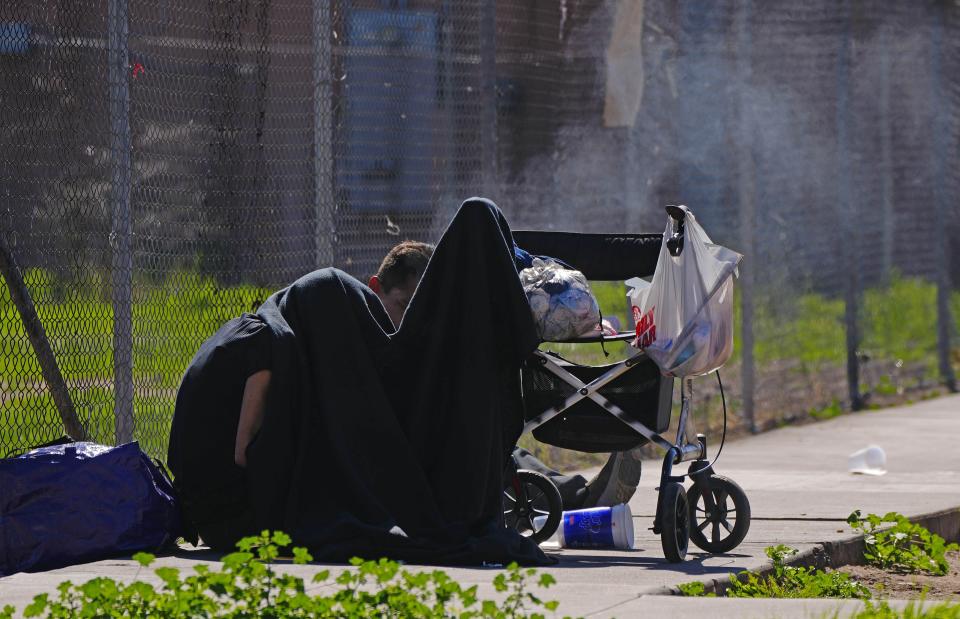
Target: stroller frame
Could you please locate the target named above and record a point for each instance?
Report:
(610, 258)
(676, 452)
(683, 450)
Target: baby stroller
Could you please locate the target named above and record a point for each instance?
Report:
(620, 406)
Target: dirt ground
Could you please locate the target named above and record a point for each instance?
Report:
(908, 586)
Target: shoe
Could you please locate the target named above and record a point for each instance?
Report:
(616, 482)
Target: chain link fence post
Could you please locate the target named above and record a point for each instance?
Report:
(941, 153)
(888, 218)
(323, 199)
(121, 229)
(746, 191)
(847, 211)
(488, 77)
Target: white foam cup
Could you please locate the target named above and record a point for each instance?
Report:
(870, 460)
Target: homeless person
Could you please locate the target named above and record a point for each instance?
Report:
(371, 442)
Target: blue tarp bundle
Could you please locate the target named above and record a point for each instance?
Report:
(81, 502)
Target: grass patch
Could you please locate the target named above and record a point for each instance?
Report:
(170, 320)
(913, 610)
(898, 321)
(786, 582)
(834, 409)
(695, 589)
(795, 582)
(172, 316)
(809, 328)
(892, 544)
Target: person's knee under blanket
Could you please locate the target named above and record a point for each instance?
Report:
(371, 442)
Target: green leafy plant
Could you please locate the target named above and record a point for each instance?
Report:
(913, 610)
(795, 582)
(892, 542)
(695, 589)
(250, 586)
(886, 386)
(827, 412)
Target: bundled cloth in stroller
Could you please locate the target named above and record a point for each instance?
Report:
(373, 443)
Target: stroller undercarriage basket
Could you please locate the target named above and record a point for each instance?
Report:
(643, 393)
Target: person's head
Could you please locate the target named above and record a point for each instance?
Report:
(398, 276)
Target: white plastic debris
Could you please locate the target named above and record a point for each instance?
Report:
(871, 460)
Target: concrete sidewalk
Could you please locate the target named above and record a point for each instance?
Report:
(800, 495)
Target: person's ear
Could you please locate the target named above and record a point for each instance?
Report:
(374, 284)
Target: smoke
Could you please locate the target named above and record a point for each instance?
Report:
(829, 117)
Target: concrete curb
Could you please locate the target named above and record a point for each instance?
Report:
(834, 553)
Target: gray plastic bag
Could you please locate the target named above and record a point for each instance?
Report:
(561, 301)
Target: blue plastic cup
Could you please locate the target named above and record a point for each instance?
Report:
(598, 527)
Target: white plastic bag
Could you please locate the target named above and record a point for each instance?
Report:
(684, 317)
(561, 301)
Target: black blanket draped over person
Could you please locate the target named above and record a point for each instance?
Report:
(373, 443)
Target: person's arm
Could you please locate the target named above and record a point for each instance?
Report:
(251, 413)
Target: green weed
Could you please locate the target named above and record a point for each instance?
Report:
(795, 582)
(913, 610)
(827, 412)
(900, 319)
(904, 546)
(249, 586)
(886, 386)
(694, 589)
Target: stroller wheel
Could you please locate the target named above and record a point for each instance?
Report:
(720, 527)
(532, 505)
(674, 522)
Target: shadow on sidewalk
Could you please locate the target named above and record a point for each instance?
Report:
(578, 560)
(693, 565)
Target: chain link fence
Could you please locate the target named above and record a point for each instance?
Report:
(167, 164)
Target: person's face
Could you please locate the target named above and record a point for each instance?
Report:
(397, 299)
